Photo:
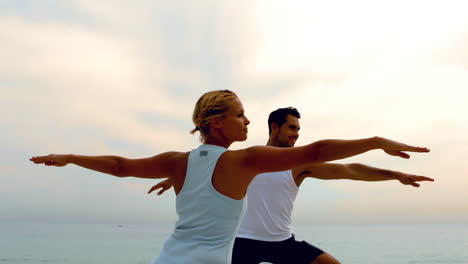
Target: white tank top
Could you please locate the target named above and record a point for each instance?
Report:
(208, 220)
(270, 199)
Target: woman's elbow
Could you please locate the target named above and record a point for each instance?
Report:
(118, 169)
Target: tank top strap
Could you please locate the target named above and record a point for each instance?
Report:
(201, 164)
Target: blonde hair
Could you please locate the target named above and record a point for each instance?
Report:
(210, 105)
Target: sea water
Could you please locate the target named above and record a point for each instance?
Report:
(140, 244)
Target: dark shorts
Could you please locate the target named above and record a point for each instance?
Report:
(289, 251)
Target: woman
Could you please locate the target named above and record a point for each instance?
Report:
(210, 182)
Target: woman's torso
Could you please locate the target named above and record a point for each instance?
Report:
(208, 220)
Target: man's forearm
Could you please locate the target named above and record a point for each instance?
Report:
(362, 172)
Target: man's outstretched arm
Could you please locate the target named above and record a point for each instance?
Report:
(355, 171)
(163, 185)
(333, 171)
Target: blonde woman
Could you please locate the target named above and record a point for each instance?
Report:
(210, 182)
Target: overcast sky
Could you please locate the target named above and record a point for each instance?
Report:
(122, 77)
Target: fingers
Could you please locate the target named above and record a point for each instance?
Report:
(410, 181)
(417, 149)
(49, 163)
(165, 187)
(154, 188)
(398, 153)
(413, 179)
(422, 178)
(391, 145)
(38, 160)
(46, 160)
(416, 178)
(403, 155)
(157, 186)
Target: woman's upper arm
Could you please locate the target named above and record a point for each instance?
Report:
(159, 166)
(260, 159)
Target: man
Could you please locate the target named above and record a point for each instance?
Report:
(265, 234)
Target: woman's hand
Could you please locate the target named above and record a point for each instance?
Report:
(52, 160)
(395, 148)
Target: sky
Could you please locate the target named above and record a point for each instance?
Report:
(116, 77)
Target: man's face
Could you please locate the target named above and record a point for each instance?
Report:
(288, 132)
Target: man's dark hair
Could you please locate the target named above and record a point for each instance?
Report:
(279, 116)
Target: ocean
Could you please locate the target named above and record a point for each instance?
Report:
(140, 244)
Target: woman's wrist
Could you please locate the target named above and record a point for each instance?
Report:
(69, 158)
(378, 142)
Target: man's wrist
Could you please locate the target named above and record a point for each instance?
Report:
(397, 176)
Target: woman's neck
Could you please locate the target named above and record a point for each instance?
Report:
(218, 141)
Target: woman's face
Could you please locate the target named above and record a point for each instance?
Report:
(234, 123)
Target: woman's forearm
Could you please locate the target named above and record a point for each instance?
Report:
(334, 149)
(105, 164)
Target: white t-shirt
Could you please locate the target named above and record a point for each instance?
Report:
(270, 199)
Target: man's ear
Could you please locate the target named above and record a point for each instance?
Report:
(274, 128)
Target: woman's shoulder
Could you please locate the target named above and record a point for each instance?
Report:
(180, 156)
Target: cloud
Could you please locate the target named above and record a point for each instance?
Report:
(122, 78)
(95, 88)
(441, 201)
(73, 76)
(456, 54)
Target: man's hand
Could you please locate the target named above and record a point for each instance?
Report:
(408, 179)
(165, 185)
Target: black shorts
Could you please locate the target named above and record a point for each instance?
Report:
(289, 251)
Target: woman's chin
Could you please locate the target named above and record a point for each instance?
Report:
(239, 138)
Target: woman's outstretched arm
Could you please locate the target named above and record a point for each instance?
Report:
(159, 166)
(261, 159)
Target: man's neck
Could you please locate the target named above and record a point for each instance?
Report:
(271, 142)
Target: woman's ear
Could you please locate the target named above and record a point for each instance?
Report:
(216, 122)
